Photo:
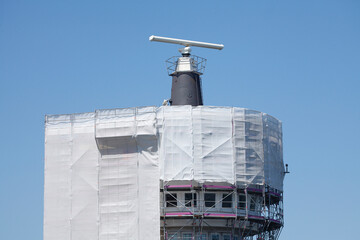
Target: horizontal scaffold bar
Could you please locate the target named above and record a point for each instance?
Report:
(178, 186)
(219, 186)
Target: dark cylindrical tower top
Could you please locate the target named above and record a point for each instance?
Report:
(186, 81)
(186, 89)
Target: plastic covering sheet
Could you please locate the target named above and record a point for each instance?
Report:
(129, 174)
(248, 132)
(274, 166)
(103, 169)
(102, 176)
(176, 142)
(220, 144)
(71, 178)
(213, 146)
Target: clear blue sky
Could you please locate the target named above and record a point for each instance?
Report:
(296, 60)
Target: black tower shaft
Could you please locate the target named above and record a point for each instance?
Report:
(186, 89)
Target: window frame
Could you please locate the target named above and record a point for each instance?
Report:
(170, 203)
(226, 234)
(242, 204)
(252, 205)
(199, 237)
(174, 236)
(192, 202)
(206, 201)
(214, 234)
(184, 233)
(223, 202)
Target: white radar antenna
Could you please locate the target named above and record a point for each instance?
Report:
(186, 43)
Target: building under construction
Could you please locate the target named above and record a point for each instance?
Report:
(179, 171)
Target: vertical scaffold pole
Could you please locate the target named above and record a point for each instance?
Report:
(164, 211)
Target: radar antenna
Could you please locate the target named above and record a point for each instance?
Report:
(186, 71)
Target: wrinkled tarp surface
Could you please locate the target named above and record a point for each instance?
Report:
(102, 169)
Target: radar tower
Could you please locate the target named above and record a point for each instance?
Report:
(186, 71)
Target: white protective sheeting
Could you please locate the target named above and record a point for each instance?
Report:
(248, 131)
(213, 144)
(196, 143)
(71, 178)
(103, 169)
(176, 142)
(102, 176)
(220, 144)
(129, 174)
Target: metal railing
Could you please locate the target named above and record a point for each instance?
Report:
(199, 63)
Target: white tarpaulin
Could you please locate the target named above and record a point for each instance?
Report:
(71, 178)
(196, 143)
(248, 134)
(102, 169)
(102, 183)
(220, 144)
(129, 174)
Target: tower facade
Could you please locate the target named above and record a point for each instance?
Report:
(179, 171)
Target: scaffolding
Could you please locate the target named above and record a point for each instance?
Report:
(259, 216)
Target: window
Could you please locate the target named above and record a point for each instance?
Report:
(171, 200)
(252, 203)
(201, 236)
(226, 237)
(227, 200)
(190, 199)
(173, 236)
(236, 238)
(258, 203)
(242, 201)
(187, 236)
(209, 199)
(215, 236)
